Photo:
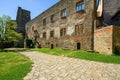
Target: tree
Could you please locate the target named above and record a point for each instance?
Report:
(7, 30)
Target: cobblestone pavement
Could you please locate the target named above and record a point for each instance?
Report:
(50, 67)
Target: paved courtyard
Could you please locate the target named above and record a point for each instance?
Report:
(50, 67)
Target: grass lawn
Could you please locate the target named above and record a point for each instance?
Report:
(82, 55)
(13, 66)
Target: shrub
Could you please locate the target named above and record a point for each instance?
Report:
(117, 50)
(29, 43)
(5, 44)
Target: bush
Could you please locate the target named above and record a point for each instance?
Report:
(117, 50)
(5, 44)
(29, 43)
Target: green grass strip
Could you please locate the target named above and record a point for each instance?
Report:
(82, 55)
(13, 66)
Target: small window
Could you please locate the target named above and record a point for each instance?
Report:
(44, 21)
(36, 34)
(62, 32)
(44, 35)
(63, 13)
(51, 33)
(52, 18)
(97, 2)
(78, 29)
(80, 6)
(32, 28)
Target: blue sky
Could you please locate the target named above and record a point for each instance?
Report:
(9, 7)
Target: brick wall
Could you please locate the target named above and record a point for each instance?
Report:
(103, 40)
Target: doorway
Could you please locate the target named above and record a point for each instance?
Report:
(78, 46)
(52, 46)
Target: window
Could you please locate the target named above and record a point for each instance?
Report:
(63, 13)
(51, 33)
(32, 28)
(80, 6)
(44, 35)
(52, 18)
(62, 32)
(36, 34)
(44, 21)
(97, 2)
(78, 29)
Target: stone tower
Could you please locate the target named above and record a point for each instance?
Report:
(23, 16)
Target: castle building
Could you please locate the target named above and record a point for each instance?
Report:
(23, 16)
(90, 25)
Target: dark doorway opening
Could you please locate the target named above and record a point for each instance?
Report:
(52, 46)
(78, 46)
(39, 46)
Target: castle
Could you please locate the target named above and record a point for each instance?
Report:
(90, 25)
(23, 16)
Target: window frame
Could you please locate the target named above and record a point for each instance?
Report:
(52, 18)
(36, 34)
(80, 6)
(52, 34)
(44, 35)
(62, 32)
(78, 29)
(44, 21)
(64, 13)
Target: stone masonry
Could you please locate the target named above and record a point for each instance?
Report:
(73, 24)
(107, 40)
(23, 16)
(83, 19)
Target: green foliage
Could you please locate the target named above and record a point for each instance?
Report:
(30, 43)
(117, 50)
(6, 44)
(82, 55)
(7, 29)
(13, 66)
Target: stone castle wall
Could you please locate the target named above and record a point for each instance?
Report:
(69, 41)
(101, 40)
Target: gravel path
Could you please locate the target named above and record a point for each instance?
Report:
(50, 67)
